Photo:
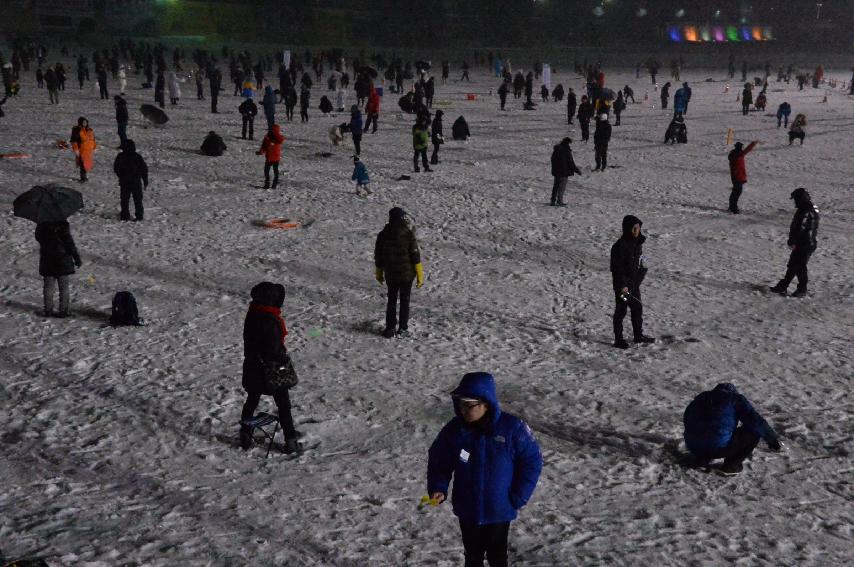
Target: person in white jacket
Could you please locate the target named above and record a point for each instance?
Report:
(174, 88)
(123, 79)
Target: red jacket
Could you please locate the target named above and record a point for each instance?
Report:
(373, 106)
(737, 169)
(271, 147)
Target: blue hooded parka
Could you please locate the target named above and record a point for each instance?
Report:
(269, 104)
(495, 465)
(712, 417)
(680, 99)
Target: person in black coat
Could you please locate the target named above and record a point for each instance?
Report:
(571, 103)
(52, 84)
(304, 97)
(529, 87)
(429, 92)
(502, 93)
(628, 271)
(438, 137)
(213, 145)
(676, 131)
(665, 95)
(563, 167)
(460, 129)
(290, 103)
(802, 241)
(601, 139)
(58, 257)
(133, 177)
(122, 119)
(248, 110)
(215, 79)
(2, 102)
(397, 261)
(159, 89)
(101, 71)
(264, 335)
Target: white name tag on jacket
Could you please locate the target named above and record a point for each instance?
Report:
(464, 455)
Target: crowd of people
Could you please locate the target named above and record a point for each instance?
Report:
(491, 455)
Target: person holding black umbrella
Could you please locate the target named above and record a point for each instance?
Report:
(58, 257)
(49, 207)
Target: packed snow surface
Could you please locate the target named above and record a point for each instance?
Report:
(119, 444)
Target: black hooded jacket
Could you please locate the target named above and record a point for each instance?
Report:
(626, 254)
(213, 145)
(803, 232)
(460, 129)
(262, 336)
(562, 163)
(130, 167)
(121, 111)
(396, 252)
(436, 129)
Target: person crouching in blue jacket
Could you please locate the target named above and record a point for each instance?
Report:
(495, 462)
(360, 176)
(712, 431)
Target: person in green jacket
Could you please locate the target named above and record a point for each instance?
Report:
(420, 139)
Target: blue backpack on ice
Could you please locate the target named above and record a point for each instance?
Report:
(125, 311)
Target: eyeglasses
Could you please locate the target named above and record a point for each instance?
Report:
(468, 403)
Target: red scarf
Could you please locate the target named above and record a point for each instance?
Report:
(275, 312)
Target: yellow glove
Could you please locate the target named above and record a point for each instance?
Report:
(378, 273)
(419, 275)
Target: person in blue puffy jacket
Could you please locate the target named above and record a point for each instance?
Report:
(495, 462)
(680, 101)
(360, 176)
(712, 428)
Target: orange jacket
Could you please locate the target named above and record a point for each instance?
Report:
(271, 147)
(83, 145)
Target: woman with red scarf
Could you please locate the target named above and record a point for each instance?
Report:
(264, 335)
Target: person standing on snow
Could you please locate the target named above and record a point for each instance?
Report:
(372, 110)
(248, 110)
(585, 114)
(356, 128)
(83, 145)
(132, 172)
(52, 85)
(269, 105)
(123, 80)
(712, 431)
(420, 138)
(619, 107)
(58, 257)
(563, 167)
(783, 112)
(738, 173)
(271, 148)
(101, 72)
(495, 464)
(264, 333)
(802, 241)
(746, 98)
(174, 88)
(122, 119)
(601, 139)
(570, 106)
(304, 98)
(397, 261)
(627, 272)
(665, 95)
(215, 80)
(437, 136)
(159, 87)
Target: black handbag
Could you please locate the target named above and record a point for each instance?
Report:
(278, 375)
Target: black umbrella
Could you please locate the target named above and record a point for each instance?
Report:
(422, 65)
(368, 70)
(48, 203)
(153, 114)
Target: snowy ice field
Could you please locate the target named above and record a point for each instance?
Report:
(118, 445)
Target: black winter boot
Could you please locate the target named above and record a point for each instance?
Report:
(292, 447)
(621, 343)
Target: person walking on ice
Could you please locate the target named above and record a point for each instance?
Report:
(360, 176)
(803, 234)
(271, 149)
(495, 464)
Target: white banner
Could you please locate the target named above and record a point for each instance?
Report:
(547, 75)
(286, 58)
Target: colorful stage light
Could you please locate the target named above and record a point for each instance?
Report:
(757, 33)
(690, 34)
(745, 33)
(705, 34)
(732, 33)
(719, 34)
(673, 32)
